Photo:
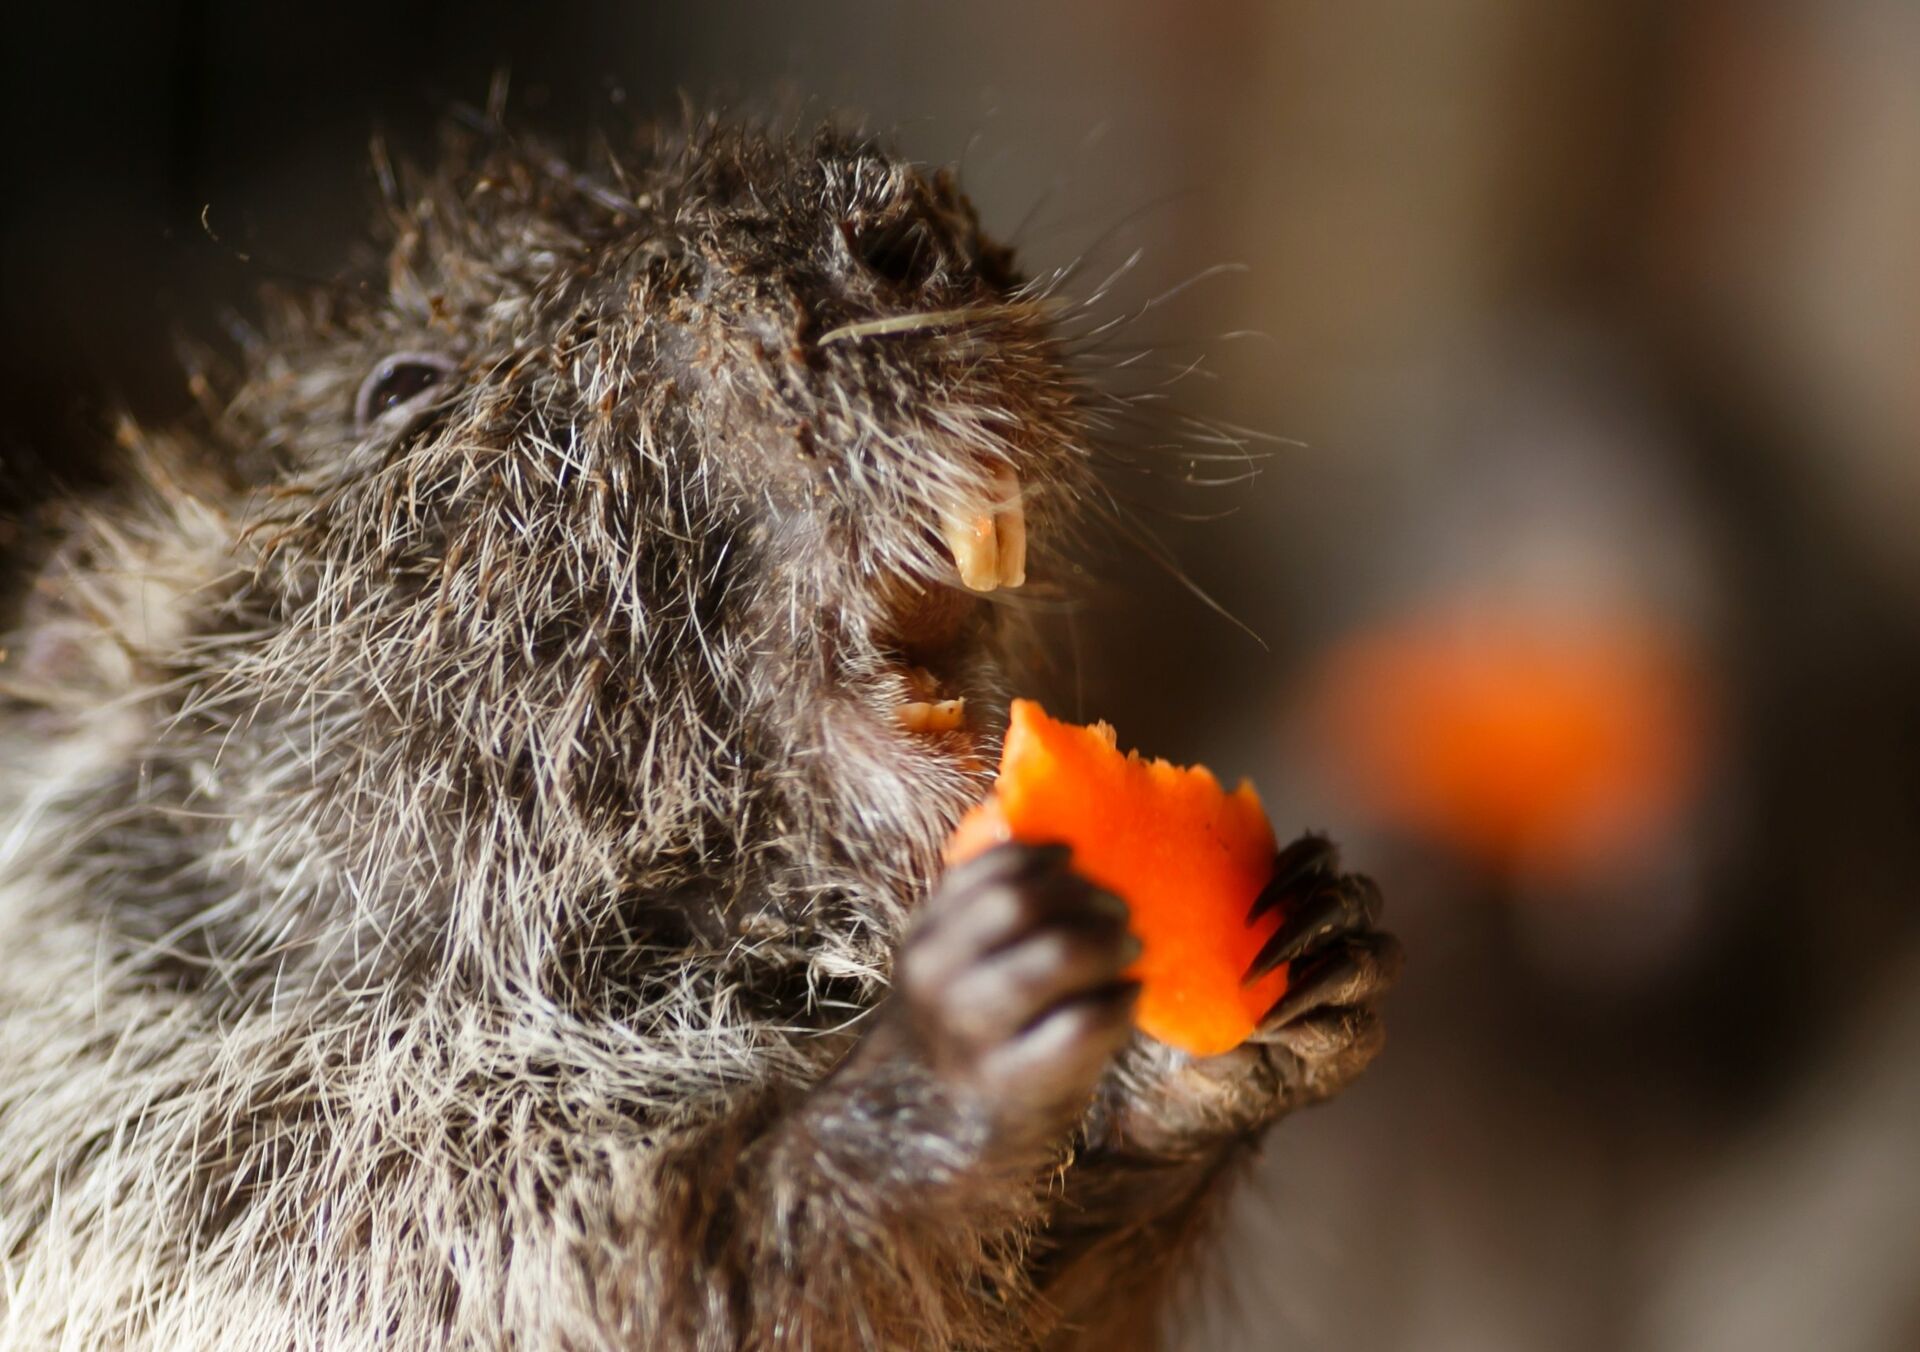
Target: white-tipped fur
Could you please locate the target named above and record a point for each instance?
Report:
(441, 860)
(412, 833)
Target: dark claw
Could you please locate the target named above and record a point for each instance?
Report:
(1302, 927)
(1344, 975)
(1297, 867)
(1348, 902)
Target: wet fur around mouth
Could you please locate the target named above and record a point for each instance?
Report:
(450, 823)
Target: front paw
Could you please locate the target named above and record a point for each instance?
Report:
(1322, 1032)
(1326, 1028)
(1011, 986)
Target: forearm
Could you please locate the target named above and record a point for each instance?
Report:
(874, 1211)
(1163, 1142)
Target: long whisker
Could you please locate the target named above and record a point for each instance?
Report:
(1128, 524)
(928, 320)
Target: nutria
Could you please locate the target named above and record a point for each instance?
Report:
(474, 797)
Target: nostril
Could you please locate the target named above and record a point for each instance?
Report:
(900, 251)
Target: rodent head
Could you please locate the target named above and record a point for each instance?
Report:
(671, 498)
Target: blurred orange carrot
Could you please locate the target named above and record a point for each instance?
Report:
(1521, 741)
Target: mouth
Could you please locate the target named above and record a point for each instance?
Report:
(935, 626)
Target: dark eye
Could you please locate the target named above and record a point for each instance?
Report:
(404, 381)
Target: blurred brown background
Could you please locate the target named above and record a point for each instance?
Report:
(1588, 571)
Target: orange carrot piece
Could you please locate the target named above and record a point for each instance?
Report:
(1187, 856)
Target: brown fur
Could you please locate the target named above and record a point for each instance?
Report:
(443, 862)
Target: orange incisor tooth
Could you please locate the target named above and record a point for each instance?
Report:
(990, 548)
(947, 715)
(1010, 530)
